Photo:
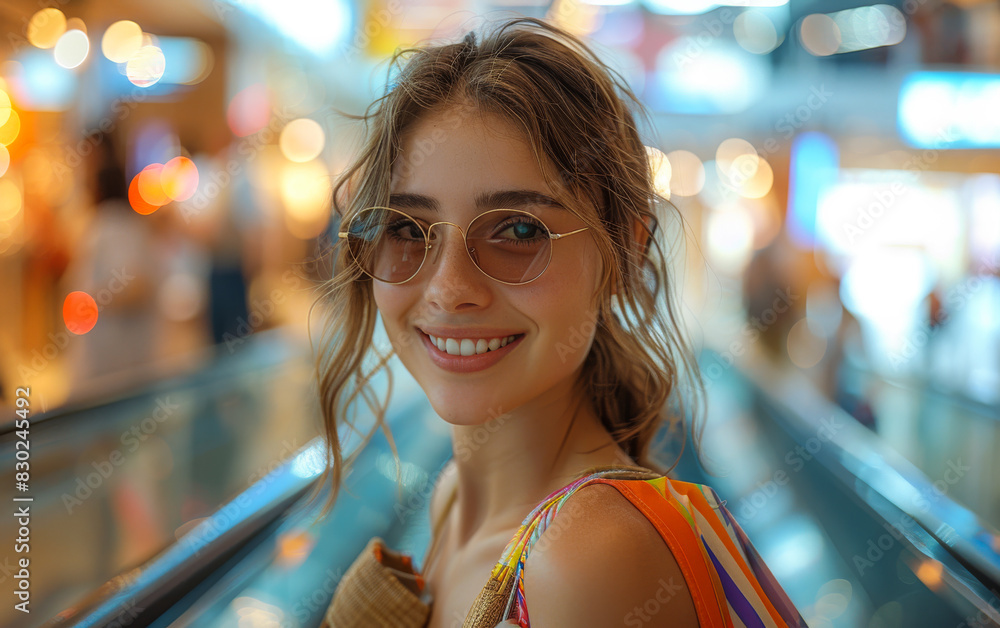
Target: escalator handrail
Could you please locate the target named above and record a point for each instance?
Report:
(930, 388)
(264, 349)
(167, 577)
(861, 455)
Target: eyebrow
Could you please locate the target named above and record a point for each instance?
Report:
(506, 199)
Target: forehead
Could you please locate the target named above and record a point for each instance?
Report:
(466, 157)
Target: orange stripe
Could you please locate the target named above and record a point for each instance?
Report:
(699, 501)
(683, 543)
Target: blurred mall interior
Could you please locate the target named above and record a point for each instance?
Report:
(165, 225)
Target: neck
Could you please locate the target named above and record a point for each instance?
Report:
(507, 465)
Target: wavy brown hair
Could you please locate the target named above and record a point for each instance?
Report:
(575, 113)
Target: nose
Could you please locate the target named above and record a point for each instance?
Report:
(455, 283)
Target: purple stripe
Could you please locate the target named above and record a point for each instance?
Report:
(736, 599)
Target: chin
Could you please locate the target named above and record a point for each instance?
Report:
(466, 408)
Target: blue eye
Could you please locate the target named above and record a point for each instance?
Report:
(520, 230)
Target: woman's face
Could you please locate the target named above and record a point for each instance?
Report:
(449, 159)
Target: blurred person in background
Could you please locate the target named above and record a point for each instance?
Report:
(117, 263)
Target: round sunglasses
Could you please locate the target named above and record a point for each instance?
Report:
(511, 246)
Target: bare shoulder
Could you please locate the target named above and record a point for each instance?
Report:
(443, 487)
(602, 563)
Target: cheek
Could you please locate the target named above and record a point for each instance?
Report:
(392, 303)
(570, 314)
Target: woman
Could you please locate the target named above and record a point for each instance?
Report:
(500, 220)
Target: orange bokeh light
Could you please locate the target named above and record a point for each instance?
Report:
(151, 185)
(135, 199)
(179, 178)
(79, 312)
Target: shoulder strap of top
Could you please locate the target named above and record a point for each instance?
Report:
(728, 580)
(503, 596)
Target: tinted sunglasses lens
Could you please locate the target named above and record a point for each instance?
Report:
(387, 244)
(510, 246)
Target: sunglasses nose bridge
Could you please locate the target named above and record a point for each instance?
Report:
(436, 250)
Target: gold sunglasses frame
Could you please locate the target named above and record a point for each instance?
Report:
(428, 245)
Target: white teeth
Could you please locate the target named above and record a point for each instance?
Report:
(469, 346)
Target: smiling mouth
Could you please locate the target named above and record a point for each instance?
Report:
(470, 347)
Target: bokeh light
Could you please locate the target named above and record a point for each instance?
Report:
(755, 32)
(305, 192)
(687, 173)
(150, 185)
(179, 179)
(5, 107)
(72, 49)
(819, 34)
(146, 66)
(294, 547)
(728, 152)
(660, 166)
(729, 235)
(121, 41)
(930, 573)
(869, 27)
(751, 176)
(10, 129)
(302, 140)
(249, 110)
(46, 27)
(203, 63)
(4, 160)
(135, 199)
(79, 312)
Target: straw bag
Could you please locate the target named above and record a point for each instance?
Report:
(372, 594)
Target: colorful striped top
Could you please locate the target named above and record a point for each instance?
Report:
(729, 582)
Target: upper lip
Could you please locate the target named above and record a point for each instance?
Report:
(484, 333)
